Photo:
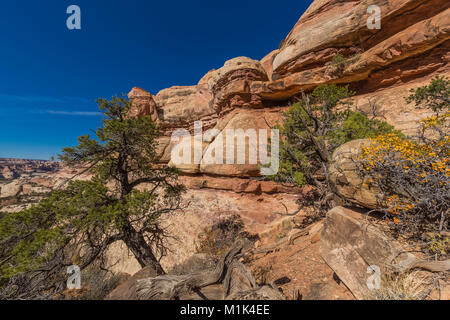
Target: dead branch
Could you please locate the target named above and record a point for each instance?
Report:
(237, 282)
(169, 287)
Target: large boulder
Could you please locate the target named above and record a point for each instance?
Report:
(343, 173)
(230, 85)
(240, 130)
(349, 244)
(181, 148)
(182, 105)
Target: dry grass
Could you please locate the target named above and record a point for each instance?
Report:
(96, 285)
(412, 285)
(216, 240)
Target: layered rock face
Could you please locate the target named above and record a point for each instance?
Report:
(143, 104)
(381, 66)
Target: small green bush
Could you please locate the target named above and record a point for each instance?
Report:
(338, 65)
(99, 283)
(413, 173)
(314, 127)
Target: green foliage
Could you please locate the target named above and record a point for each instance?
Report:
(359, 126)
(438, 245)
(107, 153)
(434, 96)
(413, 174)
(338, 64)
(338, 59)
(79, 223)
(314, 127)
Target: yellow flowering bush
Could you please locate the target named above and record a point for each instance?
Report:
(413, 174)
(413, 178)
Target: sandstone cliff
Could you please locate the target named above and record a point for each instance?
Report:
(381, 66)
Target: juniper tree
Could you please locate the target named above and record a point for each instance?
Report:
(79, 223)
(435, 97)
(312, 129)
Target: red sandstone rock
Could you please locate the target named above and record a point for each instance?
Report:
(142, 104)
(412, 46)
(230, 84)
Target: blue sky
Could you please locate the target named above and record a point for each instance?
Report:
(50, 76)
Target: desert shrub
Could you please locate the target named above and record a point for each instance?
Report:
(435, 97)
(217, 239)
(438, 245)
(99, 283)
(75, 294)
(195, 263)
(411, 285)
(413, 179)
(281, 235)
(312, 129)
(359, 126)
(337, 65)
(413, 174)
(96, 283)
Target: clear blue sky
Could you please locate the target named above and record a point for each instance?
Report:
(50, 76)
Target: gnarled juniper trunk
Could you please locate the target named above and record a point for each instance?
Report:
(143, 253)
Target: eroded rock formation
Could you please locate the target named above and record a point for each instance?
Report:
(381, 66)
